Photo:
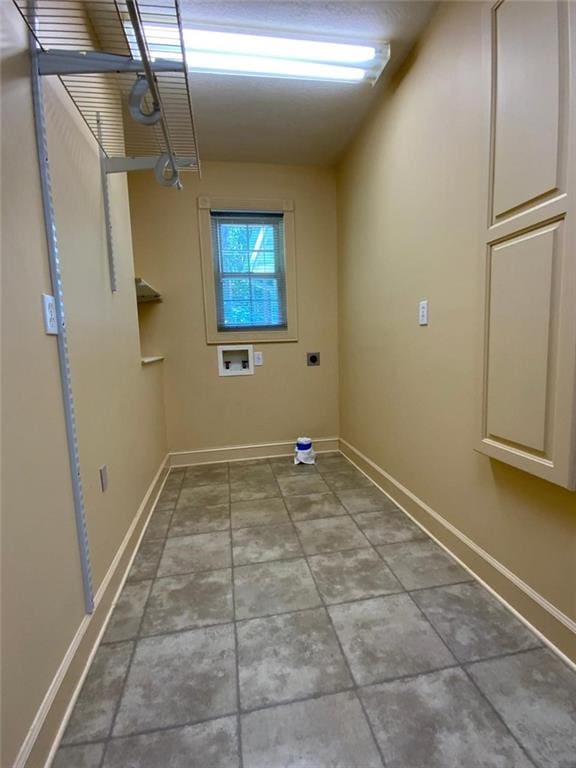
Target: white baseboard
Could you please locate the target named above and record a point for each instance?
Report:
(240, 452)
(58, 678)
(515, 580)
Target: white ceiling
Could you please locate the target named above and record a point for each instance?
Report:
(250, 119)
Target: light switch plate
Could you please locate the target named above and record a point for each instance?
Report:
(49, 312)
(423, 312)
(258, 358)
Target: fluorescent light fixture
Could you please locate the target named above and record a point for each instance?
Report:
(263, 66)
(235, 53)
(277, 47)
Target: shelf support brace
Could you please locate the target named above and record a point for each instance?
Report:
(107, 212)
(63, 63)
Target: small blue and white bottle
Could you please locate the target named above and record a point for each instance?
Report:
(304, 452)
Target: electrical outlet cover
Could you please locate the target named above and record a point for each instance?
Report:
(313, 358)
(49, 312)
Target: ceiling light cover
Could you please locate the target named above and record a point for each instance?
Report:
(262, 66)
(235, 53)
(277, 47)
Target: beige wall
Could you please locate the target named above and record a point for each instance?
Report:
(411, 200)
(285, 397)
(119, 404)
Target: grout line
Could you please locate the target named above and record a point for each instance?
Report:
(499, 716)
(298, 699)
(159, 729)
(236, 659)
(326, 603)
(508, 654)
(346, 662)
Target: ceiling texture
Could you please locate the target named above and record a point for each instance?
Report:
(256, 119)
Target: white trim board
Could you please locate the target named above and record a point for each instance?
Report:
(44, 708)
(521, 585)
(241, 452)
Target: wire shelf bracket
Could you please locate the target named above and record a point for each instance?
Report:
(123, 62)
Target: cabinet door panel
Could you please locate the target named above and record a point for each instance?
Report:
(519, 338)
(527, 102)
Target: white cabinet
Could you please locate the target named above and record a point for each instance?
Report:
(529, 404)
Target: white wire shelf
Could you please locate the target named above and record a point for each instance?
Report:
(94, 48)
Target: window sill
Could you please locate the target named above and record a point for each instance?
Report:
(248, 340)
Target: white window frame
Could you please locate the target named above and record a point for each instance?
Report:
(253, 335)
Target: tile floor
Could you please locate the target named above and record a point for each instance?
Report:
(292, 617)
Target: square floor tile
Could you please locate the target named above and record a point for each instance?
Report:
(439, 721)
(535, 694)
(251, 472)
(419, 564)
(364, 500)
(246, 514)
(202, 552)
(179, 679)
(188, 602)
(213, 744)
(94, 710)
(330, 534)
(329, 732)
(189, 520)
(127, 614)
(387, 637)
(347, 479)
(275, 587)
(251, 490)
(287, 657)
(157, 527)
(204, 496)
(314, 505)
(210, 474)
(299, 485)
(272, 542)
(146, 561)
(388, 526)
(472, 623)
(352, 575)
(86, 756)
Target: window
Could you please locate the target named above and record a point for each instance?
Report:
(249, 270)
